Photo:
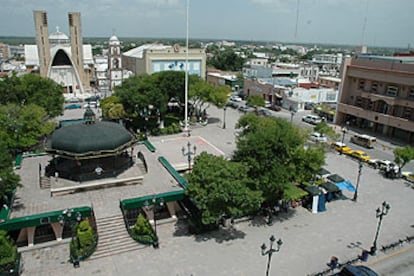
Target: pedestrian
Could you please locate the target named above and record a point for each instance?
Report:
(333, 263)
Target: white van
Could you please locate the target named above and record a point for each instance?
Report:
(312, 119)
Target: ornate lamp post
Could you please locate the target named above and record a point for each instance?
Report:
(224, 117)
(381, 212)
(344, 130)
(189, 154)
(69, 215)
(270, 251)
(358, 178)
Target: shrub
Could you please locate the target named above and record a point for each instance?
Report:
(84, 242)
(8, 252)
(142, 231)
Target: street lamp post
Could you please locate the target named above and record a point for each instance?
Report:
(224, 117)
(344, 130)
(358, 178)
(69, 215)
(292, 114)
(189, 153)
(270, 251)
(381, 212)
(156, 205)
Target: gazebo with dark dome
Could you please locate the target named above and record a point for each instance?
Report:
(89, 150)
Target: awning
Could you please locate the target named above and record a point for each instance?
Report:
(330, 187)
(345, 185)
(313, 190)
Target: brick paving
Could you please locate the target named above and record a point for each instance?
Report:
(309, 239)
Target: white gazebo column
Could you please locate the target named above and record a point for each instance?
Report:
(315, 204)
(58, 230)
(150, 214)
(30, 235)
(172, 209)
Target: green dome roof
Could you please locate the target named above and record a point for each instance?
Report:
(81, 138)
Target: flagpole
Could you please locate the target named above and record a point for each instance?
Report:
(186, 128)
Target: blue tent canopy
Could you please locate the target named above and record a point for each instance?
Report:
(345, 185)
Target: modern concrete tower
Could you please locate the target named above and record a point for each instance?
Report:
(75, 30)
(42, 40)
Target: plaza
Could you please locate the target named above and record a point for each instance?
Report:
(309, 240)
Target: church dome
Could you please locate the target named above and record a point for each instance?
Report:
(113, 40)
(58, 37)
(83, 139)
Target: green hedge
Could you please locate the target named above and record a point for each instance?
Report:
(142, 231)
(83, 244)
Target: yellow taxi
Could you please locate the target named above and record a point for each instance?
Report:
(342, 148)
(360, 155)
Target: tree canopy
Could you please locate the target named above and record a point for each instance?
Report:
(274, 152)
(226, 59)
(33, 89)
(403, 155)
(221, 188)
(9, 181)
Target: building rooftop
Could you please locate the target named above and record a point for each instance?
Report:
(406, 60)
(139, 51)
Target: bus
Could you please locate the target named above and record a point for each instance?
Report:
(364, 140)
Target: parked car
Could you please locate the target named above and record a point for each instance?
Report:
(235, 98)
(91, 104)
(312, 119)
(263, 112)
(232, 104)
(73, 106)
(318, 137)
(275, 108)
(245, 108)
(342, 147)
(356, 270)
(360, 155)
(409, 176)
(382, 164)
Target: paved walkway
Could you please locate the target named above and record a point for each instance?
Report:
(309, 239)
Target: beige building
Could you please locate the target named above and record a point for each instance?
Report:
(65, 60)
(377, 95)
(153, 58)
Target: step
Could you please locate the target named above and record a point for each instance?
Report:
(120, 233)
(103, 254)
(110, 223)
(115, 242)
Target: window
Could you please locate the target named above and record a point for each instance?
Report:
(358, 101)
(407, 113)
(392, 91)
(374, 87)
(361, 84)
(411, 93)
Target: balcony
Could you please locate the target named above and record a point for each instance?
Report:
(376, 117)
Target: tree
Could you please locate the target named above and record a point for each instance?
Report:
(112, 108)
(33, 89)
(255, 101)
(403, 155)
(273, 150)
(221, 188)
(9, 180)
(202, 94)
(227, 60)
(324, 128)
(21, 127)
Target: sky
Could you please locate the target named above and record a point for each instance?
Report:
(352, 22)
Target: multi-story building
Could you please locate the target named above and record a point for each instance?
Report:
(114, 63)
(377, 94)
(153, 58)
